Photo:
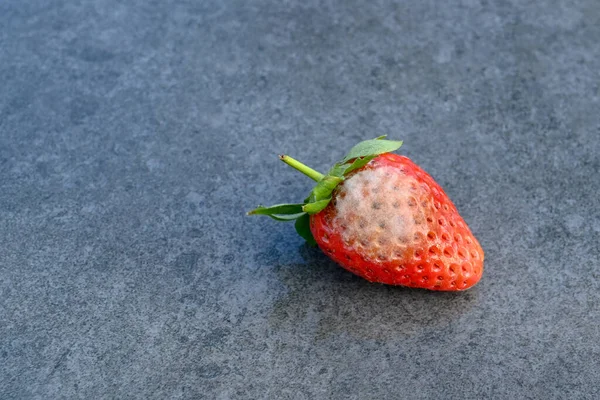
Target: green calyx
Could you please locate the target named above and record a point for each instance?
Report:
(320, 196)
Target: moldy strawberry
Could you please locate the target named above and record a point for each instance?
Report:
(380, 216)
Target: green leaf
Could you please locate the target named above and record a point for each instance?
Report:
(283, 217)
(303, 228)
(358, 163)
(277, 209)
(372, 147)
(337, 170)
(324, 188)
(315, 207)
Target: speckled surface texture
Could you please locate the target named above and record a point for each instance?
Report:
(134, 135)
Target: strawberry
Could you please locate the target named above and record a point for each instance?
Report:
(381, 217)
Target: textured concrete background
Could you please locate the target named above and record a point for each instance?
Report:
(134, 135)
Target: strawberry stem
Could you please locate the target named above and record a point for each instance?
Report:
(297, 165)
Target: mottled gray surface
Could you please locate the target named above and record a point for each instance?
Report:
(134, 135)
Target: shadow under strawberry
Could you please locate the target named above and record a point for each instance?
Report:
(327, 300)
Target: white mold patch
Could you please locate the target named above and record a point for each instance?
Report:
(377, 211)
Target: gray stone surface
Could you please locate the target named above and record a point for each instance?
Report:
(134, 135)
